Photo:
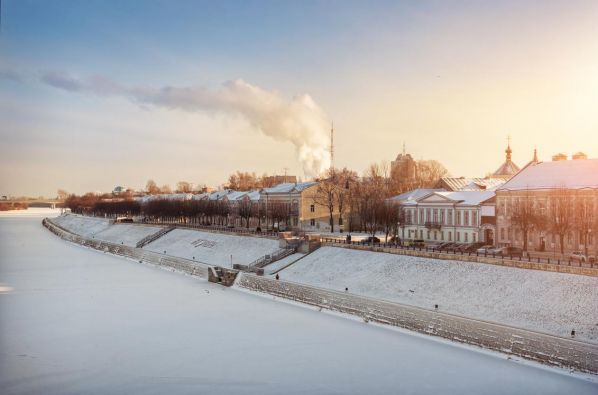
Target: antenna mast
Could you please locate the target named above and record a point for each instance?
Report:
(332, 145)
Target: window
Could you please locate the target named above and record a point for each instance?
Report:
(428, 235)
(502, 233)
(474, 218)
(441, 235)
(435, 215)
(421, 234)
(421, 216)
(466, 237)
(458, 236)
(340, 220)
(312, 222)
(442, 216)
(295, 221)
(458, 218)
(435, 235)
(312, 208)
(428, 215)
(450, 217)
(509, 233)
(466, 221)
(474, 237)
(450, 236)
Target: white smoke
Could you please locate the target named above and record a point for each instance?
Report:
(299, 121)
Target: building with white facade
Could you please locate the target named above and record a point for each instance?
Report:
(446, 216)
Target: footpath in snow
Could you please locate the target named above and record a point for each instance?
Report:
(554, 303)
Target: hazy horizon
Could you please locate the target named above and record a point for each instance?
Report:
(98, 94)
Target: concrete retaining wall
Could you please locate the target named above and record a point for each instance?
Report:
(180, 264)
(548, 267)
(547, 349)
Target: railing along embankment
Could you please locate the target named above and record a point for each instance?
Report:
(180, 264)
(499, 260)
(540, 347)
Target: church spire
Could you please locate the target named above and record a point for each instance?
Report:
(508, 150)
(535, 160)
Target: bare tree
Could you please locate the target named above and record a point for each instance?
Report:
(560, 214)
(245, 210)
(525, 216)
(165, 189)
(184, 187)
(152, 188)
(326, 194)
(62, 194)
(584, 218)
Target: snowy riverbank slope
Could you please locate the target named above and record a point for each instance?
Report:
(213, 248)
(206, 247)
(101, 229)
(548, 302)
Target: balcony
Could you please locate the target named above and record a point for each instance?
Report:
(433, 225)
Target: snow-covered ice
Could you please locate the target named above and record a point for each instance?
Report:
(548, 302)
(74, 320)
(126, 234)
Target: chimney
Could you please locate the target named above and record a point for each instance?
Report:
(579, 156)
(558, 157)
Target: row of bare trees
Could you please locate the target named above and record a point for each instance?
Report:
(204, 212)
(364, 202)
(560, 213)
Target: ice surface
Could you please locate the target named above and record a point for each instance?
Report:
(548, 302)
(81, 322)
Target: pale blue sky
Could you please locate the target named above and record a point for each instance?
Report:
(451, 78)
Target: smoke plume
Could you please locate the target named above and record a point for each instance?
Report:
(299, 121)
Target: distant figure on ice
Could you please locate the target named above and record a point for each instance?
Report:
(346, 289)
(277, 276)
(349, 238)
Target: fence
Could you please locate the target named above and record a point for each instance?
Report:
(547, 349)
(215, 229)
(180, 264)
(501, 260)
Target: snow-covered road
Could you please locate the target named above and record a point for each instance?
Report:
(76, 321)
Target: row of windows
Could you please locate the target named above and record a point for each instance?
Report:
(440, 236)
(518, 234)
(442, 216)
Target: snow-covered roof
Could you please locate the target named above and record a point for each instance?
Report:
(461, 198)
(471, 183)
(167, 196)
(217, 195)
(254, 196)
(414, 194)
(201, 196)
(288, 187)
(571, 174)
(236, 195)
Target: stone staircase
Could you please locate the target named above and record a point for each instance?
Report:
(154, 236)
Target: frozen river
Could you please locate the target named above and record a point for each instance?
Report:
(76, 321)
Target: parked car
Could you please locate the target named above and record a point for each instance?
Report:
(484, 249)
(495, 250)
(512, 251)
(434, 246)
(419, 243)
(473, 247)
(371, 240)
(578, 256)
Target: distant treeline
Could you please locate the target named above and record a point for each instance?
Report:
(7, 206)
(207, 212)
